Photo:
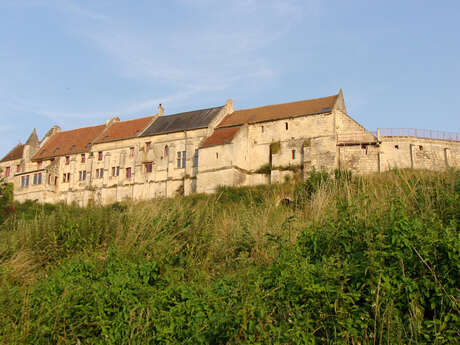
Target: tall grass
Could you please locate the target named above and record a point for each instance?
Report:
(350, 260)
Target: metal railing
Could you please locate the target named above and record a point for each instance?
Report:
(419, 133)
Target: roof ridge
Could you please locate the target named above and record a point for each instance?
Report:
(273, 105)
(192, 111)
(138, 118)
(76, 129)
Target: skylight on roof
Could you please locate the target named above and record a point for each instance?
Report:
(56, 149)
(326, 109)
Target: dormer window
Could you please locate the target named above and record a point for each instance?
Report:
(72, 147)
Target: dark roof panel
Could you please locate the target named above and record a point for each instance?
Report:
(181, 122)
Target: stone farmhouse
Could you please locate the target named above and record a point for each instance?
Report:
(200, 150)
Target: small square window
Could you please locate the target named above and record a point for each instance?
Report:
(397, 147)
(420, 147)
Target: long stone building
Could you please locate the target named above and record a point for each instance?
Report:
(200, 150)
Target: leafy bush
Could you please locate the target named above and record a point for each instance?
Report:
(380, 265)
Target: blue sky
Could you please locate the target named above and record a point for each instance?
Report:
(77, 63)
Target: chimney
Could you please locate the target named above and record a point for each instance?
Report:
(229, 105)
(108, 123)
(161, 110)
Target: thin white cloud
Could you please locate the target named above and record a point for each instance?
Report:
(68, 6)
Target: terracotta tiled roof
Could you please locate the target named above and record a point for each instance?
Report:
(69, 142)
(220, 136)
(124, 129)
(279, 111)
(15, 153)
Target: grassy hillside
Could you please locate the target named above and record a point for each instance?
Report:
(372, 260)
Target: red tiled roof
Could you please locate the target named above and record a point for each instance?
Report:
(15, 153)
(69, 142)
(279, 111)
(220, 136)
(125, 129)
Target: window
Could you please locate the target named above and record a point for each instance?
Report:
(99, 173)
(420, 147)
(39, 164)
(18, 168)
(148, 167)
(262, 129)
(148, 144)
(181, 157)
(293, 154)
(397, 147)
(166, 151)
(83, 175)
(67, 160)
(99, 156)
(195, 158)
(115, 171)
(131, 151)
(66, 177)
(128, 172)
(35, 179)
(25, 181)
(217, 155)
(83, 158)
(7, 171)
(80, 175)
(364, 149)
(286, 125)
(39, 178)
(49, 179)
